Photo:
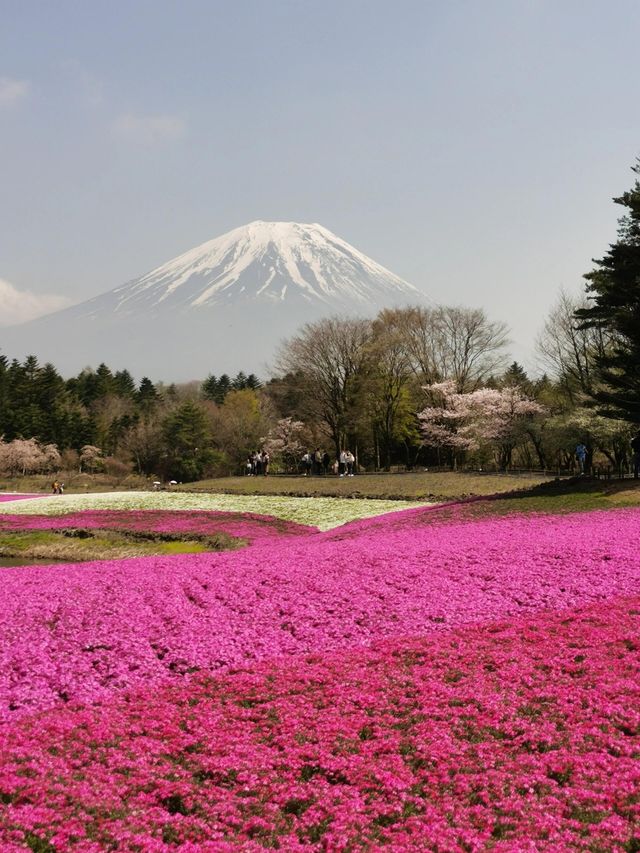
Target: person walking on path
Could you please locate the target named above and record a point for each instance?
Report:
(635, 446)
(342, 463)
(581, 455)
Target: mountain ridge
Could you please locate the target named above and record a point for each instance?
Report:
(224, 305)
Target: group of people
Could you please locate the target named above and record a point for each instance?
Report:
(257, 464)
(57, 488)
(319, 462)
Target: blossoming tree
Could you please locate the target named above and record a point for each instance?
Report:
(489, 418)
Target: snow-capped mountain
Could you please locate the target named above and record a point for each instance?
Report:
(220, 307)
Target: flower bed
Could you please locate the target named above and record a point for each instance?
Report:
(323, 513)
(5, 498)
(82, 632)
(247, 526)
(520, 736)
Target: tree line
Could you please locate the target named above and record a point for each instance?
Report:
(412, 386)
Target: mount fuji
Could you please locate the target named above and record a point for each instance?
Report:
(221, 307)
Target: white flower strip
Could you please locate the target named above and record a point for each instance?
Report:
(323, 513)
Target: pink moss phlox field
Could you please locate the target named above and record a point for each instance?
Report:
(5, 498)
(519, 736)
(249, 526)
(80, 632)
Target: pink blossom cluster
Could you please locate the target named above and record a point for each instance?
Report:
(15, 497)
(78, 633)
(522, 735)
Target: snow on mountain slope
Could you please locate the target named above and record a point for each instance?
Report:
(223, 306)
(265, 261)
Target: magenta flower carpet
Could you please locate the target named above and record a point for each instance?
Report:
(401, 682)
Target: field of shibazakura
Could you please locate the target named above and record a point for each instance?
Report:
(271, 672)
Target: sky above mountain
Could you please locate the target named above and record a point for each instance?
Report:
(471, 148)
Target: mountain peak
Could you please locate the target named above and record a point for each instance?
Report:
(221, 307)
(266, 261)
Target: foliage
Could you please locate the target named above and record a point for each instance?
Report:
(614, 292)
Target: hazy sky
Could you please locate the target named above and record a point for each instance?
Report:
(471, 147)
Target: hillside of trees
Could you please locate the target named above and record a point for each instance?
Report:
(413, 387)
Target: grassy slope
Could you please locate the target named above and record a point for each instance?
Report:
(418, 486)
(551, 498)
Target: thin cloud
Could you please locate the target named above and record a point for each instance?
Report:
(12, 91)
(89, 87)
(149, 129)
(19, 306)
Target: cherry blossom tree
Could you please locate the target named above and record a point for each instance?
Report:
(285, 441)
(90, 457)
(488, 418)
(27, 456)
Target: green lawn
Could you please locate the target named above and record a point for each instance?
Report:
(75, 545)
(552, 498)
(411, 487)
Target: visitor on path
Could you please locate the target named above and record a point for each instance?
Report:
(342, 463)
(326, 461)
(317, 461)
(581, 455)
(266, 461)
(306, 464)
(351, 461)
(248, 466)
(635, 446)
(55, 486)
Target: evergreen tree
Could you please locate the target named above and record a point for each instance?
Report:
(209, 387)
(123, 384)
(614, 289)
(224, 386)
(253, 382)
(187, 440)
(147, 394)
(239, 382)
(516, 377)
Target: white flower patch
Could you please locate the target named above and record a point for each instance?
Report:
(321, 512)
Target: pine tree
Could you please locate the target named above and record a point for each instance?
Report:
(123, 384)
(614, 288)
(224, 386)
(209, 387)
(147, 394)
(239, 382)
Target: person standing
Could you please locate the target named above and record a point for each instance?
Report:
(342, 463)
(351, 461)
(635, 446)
(326, 459)
(266, 460)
